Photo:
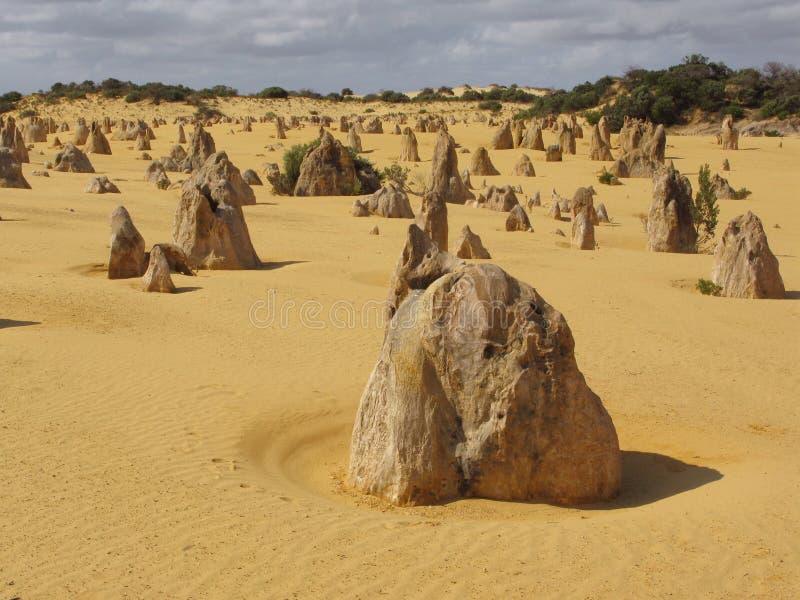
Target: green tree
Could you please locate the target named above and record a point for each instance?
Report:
(705, 211)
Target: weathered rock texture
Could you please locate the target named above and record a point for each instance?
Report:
(730, 134)
(11, 171)
(390, 201)
(101, 185)
(408, 146)
(157, 277)
(517, 220)
(432, 219)
(669, 223)
(72, 160)
(524, 167)
(326, 170)
(476, 393)
(97, 143)
(445, 180)
(470, 245)
(503, 139)
(127, 258)
(481, 164)
(209, 223)
(744, 265)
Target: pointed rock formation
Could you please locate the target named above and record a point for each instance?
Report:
(533, 137)
(390, 201)
(97, 143)
(432, 219)
(327, 170)
(501, 199)
(553, 153)
(524, 167)
(201, 146)
(101, 185)
(730, 134)
(583, 232)
(220, 180)
(250, 177)
(11, 171)
(503, 139)
(493, 407)
(744, 265)
(127, 258)
(518, 220)
(157, 277)
(599, 149)
(354, 141)
(408, 146)
(670, 227)
(72, 160)
(81, 132)
(213, 235)
(445, 180)
(481, 164)
(469, 245)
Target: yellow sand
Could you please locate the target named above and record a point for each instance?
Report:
(162, 446)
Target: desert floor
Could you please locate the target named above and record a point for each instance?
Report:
(182, 446)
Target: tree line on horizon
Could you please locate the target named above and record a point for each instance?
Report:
(669, 96)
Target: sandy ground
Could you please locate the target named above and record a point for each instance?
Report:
(164, 446)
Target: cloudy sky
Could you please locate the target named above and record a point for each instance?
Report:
(370, 45)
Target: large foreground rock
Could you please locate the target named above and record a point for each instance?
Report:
(11, 171)
(744, 265)
(127, 258)
(476, 393)
(670, 227)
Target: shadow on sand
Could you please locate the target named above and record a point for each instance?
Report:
(7, 323)
(648, 477)
(271, 266)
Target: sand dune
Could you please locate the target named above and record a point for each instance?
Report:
(162, 446)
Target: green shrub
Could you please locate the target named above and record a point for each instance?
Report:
(708, 287)
(313, 112)
(491, 105)
(741, 193)
(134, 96)
(735, 110)
(370, 110)
(28, 112)
(605, 178)
(273, 92)
(705, 211)
(292, 159)
(772, 133)
(396, 173)
(592, 116)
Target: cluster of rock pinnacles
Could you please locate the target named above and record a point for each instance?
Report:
(476, 391)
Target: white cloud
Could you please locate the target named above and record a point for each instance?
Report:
(383, 44)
